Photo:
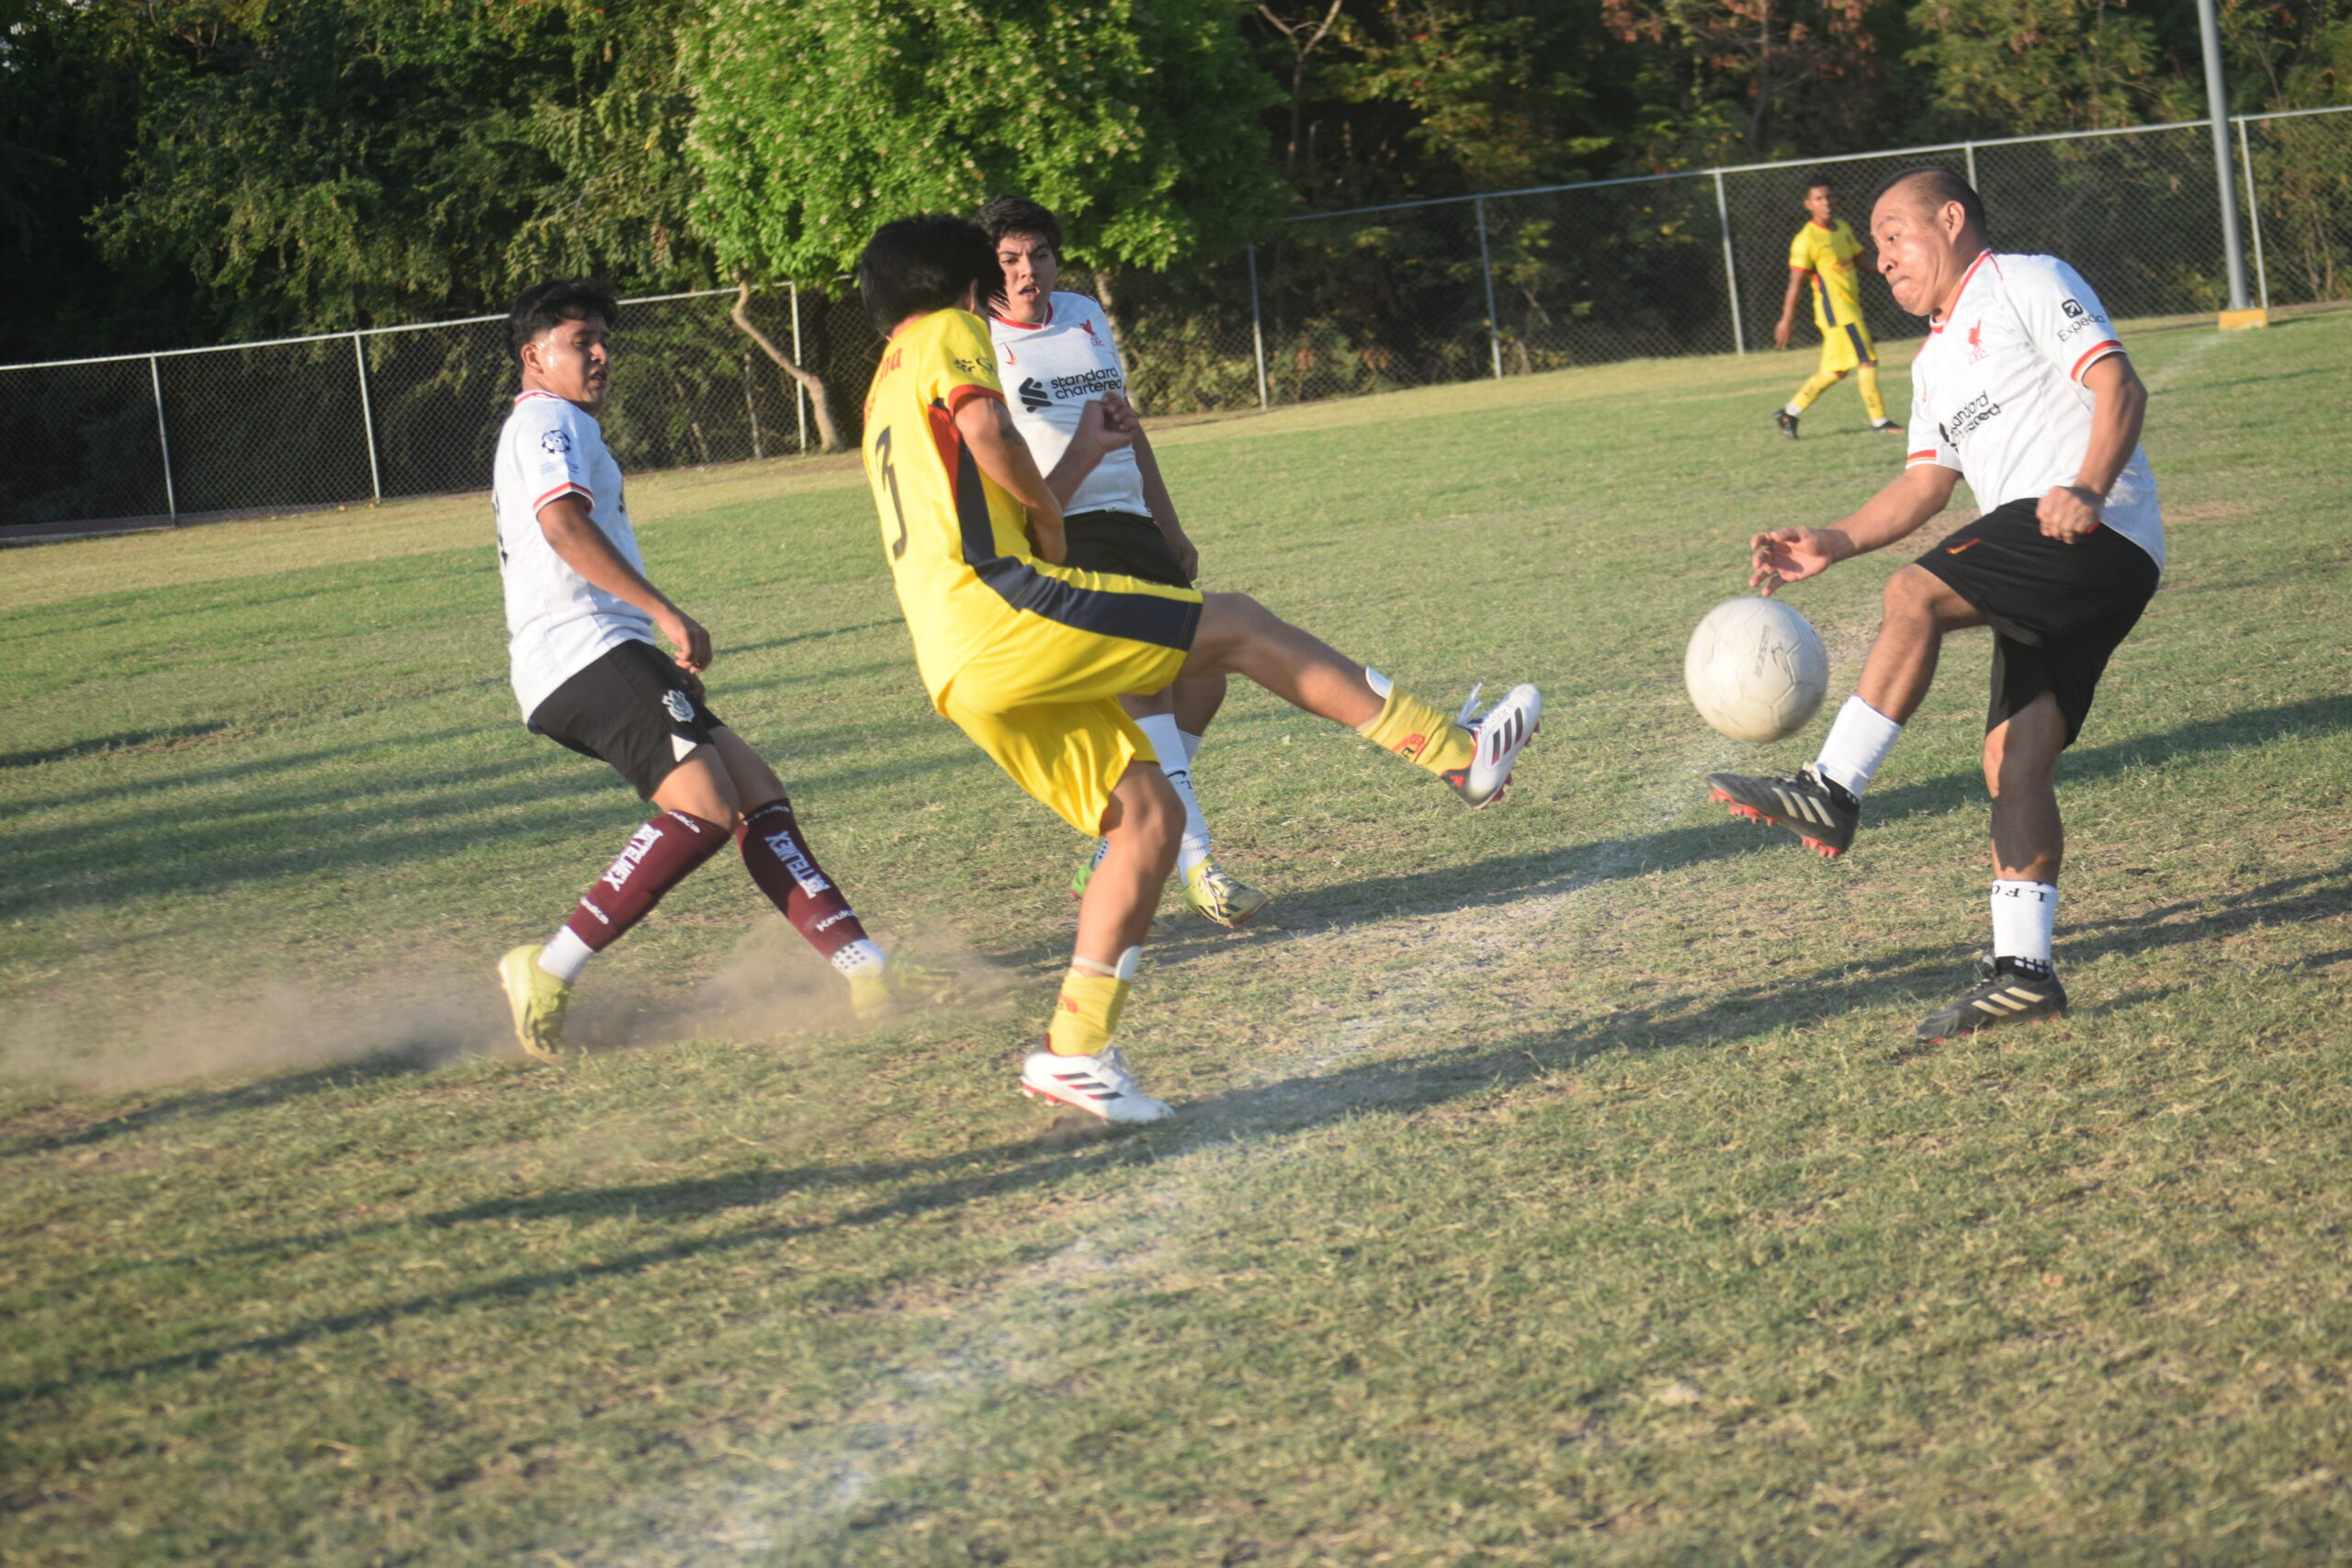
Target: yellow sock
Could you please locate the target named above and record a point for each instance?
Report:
(1086, 1013)
(1866, 380)
(1821, 382)
(1420, 733)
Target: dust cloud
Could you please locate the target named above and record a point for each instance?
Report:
(770, 986)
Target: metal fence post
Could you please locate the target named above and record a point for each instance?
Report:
(2254, 217)
(752, 409)
(1258, 326)
(2217, 106)
(367, 419)
(1969, 152)
(163, 437)
(799, 392)
(1731, 268)
(1487, 265)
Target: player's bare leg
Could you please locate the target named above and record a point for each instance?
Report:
(1077, 1064)
(1919, 609)
(1239, 636)
(1197, 699)
(2018, 983)
(1822, 804)
(2022, 770)
(1142, 825)
(1208, 891)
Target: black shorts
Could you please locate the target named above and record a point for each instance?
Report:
(633, 708)
(2057, 611)
(1123, 543)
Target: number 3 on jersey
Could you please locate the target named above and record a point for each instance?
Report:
(891, 478)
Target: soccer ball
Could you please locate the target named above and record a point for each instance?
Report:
(1755, 670)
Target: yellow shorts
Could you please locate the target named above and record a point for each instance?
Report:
(1845, 348)
(1043, 699)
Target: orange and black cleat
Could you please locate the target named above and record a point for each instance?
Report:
(1818, 810)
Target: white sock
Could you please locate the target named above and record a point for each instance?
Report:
(860, 957)
(1379, 683)
(2023, 916)
(1857, 743)
(1176, 762)
(1192, 745)
(565, 955)
(1792, 409)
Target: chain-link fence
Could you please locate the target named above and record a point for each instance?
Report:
(1697, 263)
(1333, 305)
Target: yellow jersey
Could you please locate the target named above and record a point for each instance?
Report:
(942, 520)
(1828, 254)
(968, 582)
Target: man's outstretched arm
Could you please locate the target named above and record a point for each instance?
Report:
(988, 429)
(1787, 323)
(574, 536)
(2120, 405)
(1792, 554)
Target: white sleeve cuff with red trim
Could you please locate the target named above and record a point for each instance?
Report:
(2093, 355)
(568, 487)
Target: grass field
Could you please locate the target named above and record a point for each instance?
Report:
(1558, 1183)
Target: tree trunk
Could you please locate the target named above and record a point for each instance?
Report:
(820, 404)
(1103, 297)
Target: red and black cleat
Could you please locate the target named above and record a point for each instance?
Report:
(1815, 809)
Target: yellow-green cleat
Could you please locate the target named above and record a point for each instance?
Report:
(903, 986)
(1213, 896)
(537, 999)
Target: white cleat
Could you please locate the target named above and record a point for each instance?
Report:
(1100, 1086)
(1501, 732)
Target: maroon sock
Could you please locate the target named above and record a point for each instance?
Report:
(780, 861)
(659, 856)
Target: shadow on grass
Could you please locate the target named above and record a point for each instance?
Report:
(1508, 879)
(128, 741)
(1276, 1111)
(197, 1104)
(279, 821)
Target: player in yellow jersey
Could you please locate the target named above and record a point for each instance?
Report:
(1029, 658)
(1823, 253)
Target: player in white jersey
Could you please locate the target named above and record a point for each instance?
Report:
(580, 620)
(2022, 389)
(1054, 355)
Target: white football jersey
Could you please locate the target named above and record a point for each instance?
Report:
(557, 621)
(1998, 394)
(1051, 371)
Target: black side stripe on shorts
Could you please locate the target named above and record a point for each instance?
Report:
(1854, 336)
(1138, 617)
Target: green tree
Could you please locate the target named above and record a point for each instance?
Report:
(2012, 66)
(342, 162)
(818, 121)
(1773, 73)
(2289, 53)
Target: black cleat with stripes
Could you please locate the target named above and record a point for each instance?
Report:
(2008, 991)
(1815, 808)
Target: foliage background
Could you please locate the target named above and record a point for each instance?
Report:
(181, 171)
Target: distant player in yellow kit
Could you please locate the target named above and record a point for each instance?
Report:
(1823, 252)
(1029, 655)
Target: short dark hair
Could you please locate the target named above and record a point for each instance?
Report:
(1818, 182)
(923, 264)
(1938, 187)
(1002, 215)
(546, 305)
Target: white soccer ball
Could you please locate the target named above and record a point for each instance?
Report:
(1755, 670)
